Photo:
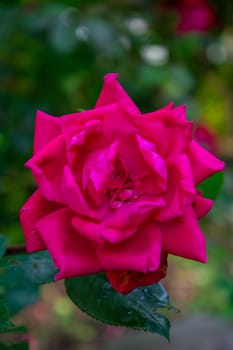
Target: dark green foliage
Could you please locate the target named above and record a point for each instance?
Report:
(5, 323)
(19, 346)
(20, 277)
(18, 298)
(210, 188)
(94, 295)
(27, 269)
(3, 245)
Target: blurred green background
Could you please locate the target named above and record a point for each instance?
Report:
(53, 55)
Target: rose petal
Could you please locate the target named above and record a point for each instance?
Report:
(119, 226)
(32, 211)
(154, 160)
(87, 139)
(113, 92)
(141, 252)
(132, 214)
(47, 168)
(75, 199)
(72, 254)
(87, 229)
(180, 189)
(167, 128)
(87, 121)
(183, 237)
(97, 170)
(82, 137)
(169, 115)
(98, 233)
(202, 205)
(47, 128)
(118, 126)
(203, 163)
(125, 281)
(114, 236)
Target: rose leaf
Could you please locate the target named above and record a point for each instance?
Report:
(27, 269)
(210, 188)
(94, 295)
(5, 323)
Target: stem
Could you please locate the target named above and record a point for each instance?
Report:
(16, 249)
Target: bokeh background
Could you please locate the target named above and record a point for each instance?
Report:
(53, 55)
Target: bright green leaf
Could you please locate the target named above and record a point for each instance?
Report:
(211, 187)
(25, 269)
(94, 295)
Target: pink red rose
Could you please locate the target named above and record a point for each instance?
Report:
(117, 190)
(193, 15)
(206, 137)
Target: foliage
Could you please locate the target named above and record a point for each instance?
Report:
(19, 346)
(137, 310)
(211, 187)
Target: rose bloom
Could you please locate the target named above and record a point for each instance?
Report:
(194, 15)
(117, 190)
(206, 137)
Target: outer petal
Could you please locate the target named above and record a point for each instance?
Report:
(167, 128)
(84, 123)
(47, 168)
(169, 115)
(202, 205)
(180, 190)
(72, 254)
(34, 210)
(125, 281)
(113, 92)
(82, 137)
(183, 237)
(203, 163)
(140, 253)
(47, 128)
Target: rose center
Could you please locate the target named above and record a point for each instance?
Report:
(120, 188)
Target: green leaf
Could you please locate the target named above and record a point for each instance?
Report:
(94, 295)
(5, 323)
(19, 346)
(3, 244)
(20, 274)
(210, 188)
(18, 298)
(25, 269)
